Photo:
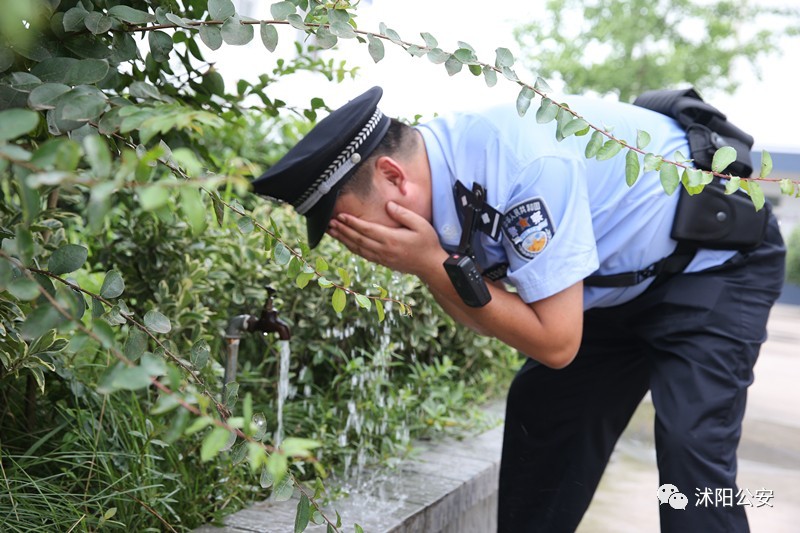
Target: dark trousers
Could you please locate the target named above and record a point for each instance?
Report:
(692, 341)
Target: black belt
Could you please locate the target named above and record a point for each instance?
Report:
(674, 263)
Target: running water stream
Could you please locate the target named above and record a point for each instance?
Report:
(283, 387)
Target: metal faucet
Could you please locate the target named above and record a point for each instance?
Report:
(267, 322)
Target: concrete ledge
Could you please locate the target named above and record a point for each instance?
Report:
(448, 486)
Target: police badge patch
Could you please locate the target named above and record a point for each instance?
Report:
(528, 227)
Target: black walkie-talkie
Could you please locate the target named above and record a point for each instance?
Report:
(461, 269)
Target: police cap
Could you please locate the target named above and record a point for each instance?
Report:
(312, 173)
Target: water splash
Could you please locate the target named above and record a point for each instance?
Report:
(283, 387)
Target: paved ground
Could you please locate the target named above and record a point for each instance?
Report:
(769, 454)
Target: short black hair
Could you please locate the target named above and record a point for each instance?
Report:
(398, 141)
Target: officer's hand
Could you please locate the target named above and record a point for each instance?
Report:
(413, 248)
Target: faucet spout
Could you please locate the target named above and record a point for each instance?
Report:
(269, 322)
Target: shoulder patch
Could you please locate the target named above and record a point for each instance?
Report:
(528, 227)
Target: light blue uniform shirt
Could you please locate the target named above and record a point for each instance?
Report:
(565, 217)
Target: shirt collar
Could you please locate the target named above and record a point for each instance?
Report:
(445, 217)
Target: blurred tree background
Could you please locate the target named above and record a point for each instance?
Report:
(626, 47)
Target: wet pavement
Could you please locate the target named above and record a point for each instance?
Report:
(769, 453)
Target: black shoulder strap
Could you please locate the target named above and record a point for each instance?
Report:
(707, 127)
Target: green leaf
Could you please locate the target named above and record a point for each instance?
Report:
(200, 354)
(98, 155)
(379, 310)
(430, 40)
(631, 167)
(303, 514)
(54, 69)
(193, 209)
(303, 278)
(156, 322)
(17, 122)
(6, 59)
(756, 194)
(691, 182)
(128, 14)
(465, 55)
(453, 66)
(296, 21)
(344, 275)
(44, 96)
(359, 529)
(547, 111)
(73, 18)
(160, 45)
(284, 488)
(363, 301)
(541, 85)
(652, 162)
(787, 187)
(325, 39)
(642, 139)
(68, 258)
(221, 9)
(340, 29)
(722, 158)
(153, 197)
(97, 23)
(766, 163)
(609, 149)
(438, 56)
(281, 254)
(235, 33)
(211, 36)
(338, 300)
(80, 105)
(669, 178)
(503, 58)
(269, 36)
(144, 91)
(376, 50)
(524, 100)
(113, 285)
(7, 272)
(200, 424)
(24, 289)
(213, 443)
(490, 76)
(594, 144)
(41, 320)
(732, 185)
(563, 117)
(135, 344)
(282, 10)
(390, 33)
(574, 126)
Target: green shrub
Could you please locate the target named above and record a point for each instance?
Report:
(128, 241)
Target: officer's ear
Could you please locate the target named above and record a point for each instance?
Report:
(392, 173)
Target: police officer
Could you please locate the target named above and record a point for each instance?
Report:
(553, 218)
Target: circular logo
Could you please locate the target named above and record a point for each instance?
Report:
(535, 242)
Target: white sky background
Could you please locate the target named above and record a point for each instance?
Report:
(769, 108)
